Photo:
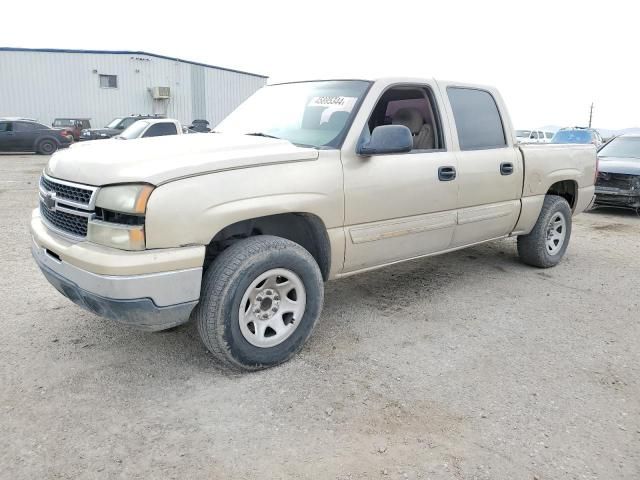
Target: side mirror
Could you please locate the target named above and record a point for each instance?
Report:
(388, 139)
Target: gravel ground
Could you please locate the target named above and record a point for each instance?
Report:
(465, 366)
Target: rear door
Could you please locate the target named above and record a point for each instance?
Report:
(26, 134)
(7, 137)
(490, 167)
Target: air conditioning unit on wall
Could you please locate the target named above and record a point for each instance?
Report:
(159, 93)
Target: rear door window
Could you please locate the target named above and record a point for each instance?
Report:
(27, 127)
(5, 127)
(477, 119)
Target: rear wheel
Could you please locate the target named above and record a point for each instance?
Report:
(47, 147)
(547, 243)
(260, 301)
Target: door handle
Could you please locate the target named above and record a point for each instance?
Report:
(506, 168)
(446, 174)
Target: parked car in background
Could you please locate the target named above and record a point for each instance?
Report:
(21, 135)
(618, 181)
(200, 126)
(152, 128)
(302, 183)
(115, 127)
(578, 135)
(74, 125)
(533, 136)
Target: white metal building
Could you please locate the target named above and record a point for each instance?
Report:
(45, 84)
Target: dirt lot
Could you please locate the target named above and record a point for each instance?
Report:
(464, 366)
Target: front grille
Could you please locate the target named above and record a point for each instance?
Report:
(67, 222)
(67, 192)
(615, 180)
(65, 206)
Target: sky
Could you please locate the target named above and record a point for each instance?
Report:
(550, 59)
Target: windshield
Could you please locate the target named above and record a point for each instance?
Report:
(572, 136)
(622, 147)
(64, 122)
(135, 130)
(114, 123)
(523, 133)
(313, 114)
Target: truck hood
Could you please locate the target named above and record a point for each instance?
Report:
(162, 159)
(629, 166)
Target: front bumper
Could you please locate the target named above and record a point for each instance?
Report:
(154, 300)
(617, 197)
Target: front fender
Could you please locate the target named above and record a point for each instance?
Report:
(191, 211)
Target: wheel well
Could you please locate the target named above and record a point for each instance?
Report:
(305, 229)
(566, 189)
(42, 139)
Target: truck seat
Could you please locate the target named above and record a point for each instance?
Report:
(422, 132)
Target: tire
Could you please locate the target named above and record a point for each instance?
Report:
(47, 147)
(547, 243)
(233, 280)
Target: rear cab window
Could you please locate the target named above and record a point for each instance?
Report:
(63, 122)
(477, 118)
(161, 129)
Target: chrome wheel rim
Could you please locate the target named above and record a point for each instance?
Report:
(272, 308)
(556, 233)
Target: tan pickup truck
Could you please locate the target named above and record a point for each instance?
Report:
(303, 183)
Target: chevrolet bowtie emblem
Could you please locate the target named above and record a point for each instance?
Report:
(49, 200)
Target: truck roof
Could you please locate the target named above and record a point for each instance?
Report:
(389, 80)
(153, 121)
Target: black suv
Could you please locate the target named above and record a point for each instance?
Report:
(201, 126)
(23, 135)
(115, 127)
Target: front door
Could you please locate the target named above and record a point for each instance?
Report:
(400, 206)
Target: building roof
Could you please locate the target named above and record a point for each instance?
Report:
(124, 52)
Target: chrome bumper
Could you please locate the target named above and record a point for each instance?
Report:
(153, 301)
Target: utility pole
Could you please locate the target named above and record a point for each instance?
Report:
(590, 114)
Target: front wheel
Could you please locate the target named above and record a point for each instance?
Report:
(259, 303)
(546, 244)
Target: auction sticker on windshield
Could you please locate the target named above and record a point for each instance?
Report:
(332, 104)
(346, 103)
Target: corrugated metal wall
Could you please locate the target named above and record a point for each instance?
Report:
(198, 92)
(46, 85)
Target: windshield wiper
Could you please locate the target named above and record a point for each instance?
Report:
(262, 134)
(266, 135)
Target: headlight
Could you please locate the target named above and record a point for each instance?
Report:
(131, 198)
(119, 221)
